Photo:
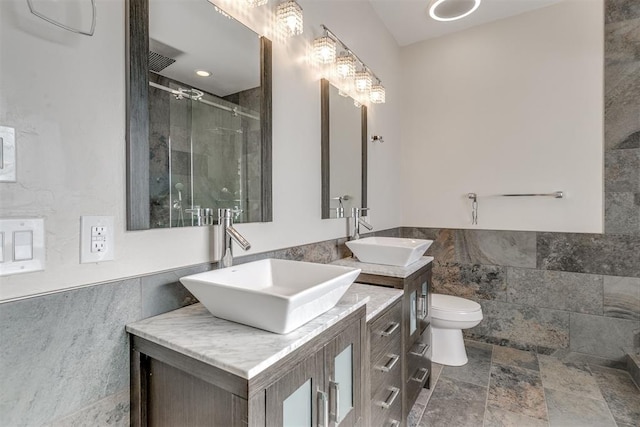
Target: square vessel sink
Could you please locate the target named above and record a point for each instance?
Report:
(272, 294)
(389, 250)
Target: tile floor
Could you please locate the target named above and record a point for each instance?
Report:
(501, 386)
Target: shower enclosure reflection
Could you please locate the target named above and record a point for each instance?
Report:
(205, 153)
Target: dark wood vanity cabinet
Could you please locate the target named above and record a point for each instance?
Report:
(415, 331)
(322, 380)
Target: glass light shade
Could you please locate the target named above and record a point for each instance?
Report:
(256, 3)
(363, 81)
(377, 94)
(451, 10)
(324, 50)
(289, 17)
(345, 65)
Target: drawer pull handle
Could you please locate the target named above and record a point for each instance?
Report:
(394, 423)
(425, 372)
(393, 359)
(323, 402)
(422, 351)
(390, 330)
(395, 391)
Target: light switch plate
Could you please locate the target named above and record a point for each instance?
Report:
(29, 246)
(96, 239)
(7, 154)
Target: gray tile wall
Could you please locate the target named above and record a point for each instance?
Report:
(543, 291)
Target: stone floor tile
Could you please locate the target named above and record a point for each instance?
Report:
(575, 378)
(494, 417)
(513, 357)
(620, 393)
(455, 403)
(477, 370)
(517, 390)
(568, 409)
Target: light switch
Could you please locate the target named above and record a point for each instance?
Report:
(23, 249)
(23, 245)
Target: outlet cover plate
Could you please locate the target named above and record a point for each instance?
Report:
(86, 255)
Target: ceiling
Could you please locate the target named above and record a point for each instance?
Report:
(409, 22)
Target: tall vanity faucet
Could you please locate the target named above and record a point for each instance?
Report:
(357, 220)
(225, 222)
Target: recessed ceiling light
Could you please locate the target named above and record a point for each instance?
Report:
(450, 10)
(203, 73)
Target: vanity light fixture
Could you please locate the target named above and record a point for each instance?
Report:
(289, 17)
(377, 94)
(345, 65)
(324, 50)
(451, 10)
(203, 73)
(357, 84)
(363, 81)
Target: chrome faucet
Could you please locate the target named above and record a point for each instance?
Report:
(225, 224)
(357, 221)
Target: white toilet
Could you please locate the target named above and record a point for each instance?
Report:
(449, 316)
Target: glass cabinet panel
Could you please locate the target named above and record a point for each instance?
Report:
(296, 409)
(344, 383)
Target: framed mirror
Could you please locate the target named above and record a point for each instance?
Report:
(344, 153)
(198, 115)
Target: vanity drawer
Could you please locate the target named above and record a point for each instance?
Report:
(386, 406)
(387, 369)
(385, 330)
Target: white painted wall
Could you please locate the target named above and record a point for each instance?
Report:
(513, 106)
(65, 95)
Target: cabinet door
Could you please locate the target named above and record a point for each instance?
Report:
(297, 398)
(344, 378)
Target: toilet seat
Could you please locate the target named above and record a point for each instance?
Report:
(448, 307)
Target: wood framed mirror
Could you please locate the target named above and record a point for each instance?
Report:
(196, 141)
(344, 153)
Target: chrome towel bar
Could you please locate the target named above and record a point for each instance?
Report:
(555, 194)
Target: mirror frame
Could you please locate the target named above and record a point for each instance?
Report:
(137, 106)
(325, 150)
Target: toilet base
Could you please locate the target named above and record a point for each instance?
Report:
(448, 347)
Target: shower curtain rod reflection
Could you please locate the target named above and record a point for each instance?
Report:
(234, 111)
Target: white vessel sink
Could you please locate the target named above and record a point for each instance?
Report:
(389, 250)
(272, 294)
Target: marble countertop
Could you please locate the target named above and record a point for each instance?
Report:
(385, 270)
(380, 297)
(238, 349)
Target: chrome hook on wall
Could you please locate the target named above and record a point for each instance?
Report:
(474, 207)
(377, 138)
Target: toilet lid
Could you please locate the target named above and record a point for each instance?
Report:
(451, 304)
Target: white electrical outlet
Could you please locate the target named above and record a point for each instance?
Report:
(96, 239)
